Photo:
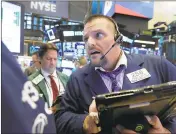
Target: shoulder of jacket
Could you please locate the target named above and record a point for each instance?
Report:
(62, 74)
(34, 75)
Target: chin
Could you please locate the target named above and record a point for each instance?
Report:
(95, 60)
(51, 70)
(95, 63)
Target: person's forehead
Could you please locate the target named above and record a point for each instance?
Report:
(34, 56)
(51, 53)
(98, 23)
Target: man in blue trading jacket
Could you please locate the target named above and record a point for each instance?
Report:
(130, 71)
(22, 110)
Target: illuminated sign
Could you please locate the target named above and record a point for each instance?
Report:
(73, 33)
(78, 33)
(43, 6)
(107, 7)
(145, 42)
(11, 21)
(68, 33)
(51, 34)
(146, 32)
(126, 39)
(50, 8)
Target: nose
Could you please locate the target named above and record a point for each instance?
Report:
(52, 61)
(91, 42)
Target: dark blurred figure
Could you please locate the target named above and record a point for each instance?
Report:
(22, 109)
(35, 65)
(82, 61)
(76, 64)
(175, 62)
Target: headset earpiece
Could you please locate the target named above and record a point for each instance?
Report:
(117, 33)
(115, 36)
(119, 39)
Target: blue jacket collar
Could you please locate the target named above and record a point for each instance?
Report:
(96, 84)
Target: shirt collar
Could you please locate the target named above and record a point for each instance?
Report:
(46, 74)
(122, 61)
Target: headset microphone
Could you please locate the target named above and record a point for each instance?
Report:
(119, 40)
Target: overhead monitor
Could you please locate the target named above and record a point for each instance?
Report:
(12, 26)
(51, 34)
(68, 33)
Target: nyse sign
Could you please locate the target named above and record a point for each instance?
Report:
(51, 8)
(43, 6)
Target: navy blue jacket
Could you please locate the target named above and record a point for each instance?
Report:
(86, 83)
(17, 115)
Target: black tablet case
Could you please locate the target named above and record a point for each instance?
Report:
(128, 105)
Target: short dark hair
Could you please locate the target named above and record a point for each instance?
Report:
(35, 53)
(99, 16)
(44, 48)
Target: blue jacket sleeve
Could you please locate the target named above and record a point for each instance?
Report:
(70, 118)
(169, 72)
(168, 69)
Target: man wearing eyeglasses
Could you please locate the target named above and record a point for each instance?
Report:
(35, 65)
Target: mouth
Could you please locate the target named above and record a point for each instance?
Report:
(94, 52)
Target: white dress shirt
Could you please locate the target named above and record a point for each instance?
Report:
(59, 84)
(119, 77)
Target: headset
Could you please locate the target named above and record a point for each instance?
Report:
(118, 37)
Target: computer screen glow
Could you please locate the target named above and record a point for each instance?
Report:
(11, 26)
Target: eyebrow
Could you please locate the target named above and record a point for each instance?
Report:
(97, 30)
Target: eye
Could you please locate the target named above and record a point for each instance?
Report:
(48, 58)
(99, 35)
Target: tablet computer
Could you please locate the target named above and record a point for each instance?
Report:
(114, 108)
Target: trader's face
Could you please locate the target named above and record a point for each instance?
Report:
(99, 37)
(49, 61)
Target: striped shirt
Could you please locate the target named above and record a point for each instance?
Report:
(119, 77)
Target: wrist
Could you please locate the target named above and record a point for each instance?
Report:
(166, 131)
(85, 125)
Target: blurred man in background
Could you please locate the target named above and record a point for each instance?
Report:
(35, 65)
(82, 61)
(49, 82)
(76, 65)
